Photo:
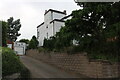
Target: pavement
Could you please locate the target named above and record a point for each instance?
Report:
(39, 69)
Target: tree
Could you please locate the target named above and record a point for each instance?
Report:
(49, 43)
(13, 28)
(33, 44)
(95, 27)
(4, 33)
(0, 33)
(24, 40)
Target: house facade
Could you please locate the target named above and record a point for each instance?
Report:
(53, 21)
(10, 44)
(20, 48)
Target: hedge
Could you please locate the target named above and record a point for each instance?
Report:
(10, 62)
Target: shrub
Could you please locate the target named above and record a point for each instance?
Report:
(10, 62)
(73, 49)
(107, 51)
(41, 49)
(33, 44)
(49, 43)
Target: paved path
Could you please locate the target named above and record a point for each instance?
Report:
(39, 69)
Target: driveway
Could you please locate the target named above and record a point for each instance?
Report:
(39, 69)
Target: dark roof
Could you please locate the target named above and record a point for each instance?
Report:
(9, 42)
(57, 20)
(66, 17)
(20, 42)
(54, 11)
(40, 25)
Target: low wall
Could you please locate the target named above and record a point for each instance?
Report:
(79, 63)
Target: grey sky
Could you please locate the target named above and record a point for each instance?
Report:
(31, 12)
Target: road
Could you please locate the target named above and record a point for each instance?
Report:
(38, 69)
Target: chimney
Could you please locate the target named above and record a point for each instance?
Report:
(65, 11)
(45, 11)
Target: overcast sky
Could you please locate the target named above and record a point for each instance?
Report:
(31, 12)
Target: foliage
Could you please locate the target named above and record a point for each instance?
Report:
(103, 32)
(95, 27)
(63, 38)
(13, 28)
(49, 43)
(72, 49)
(41, 49)
(33, 44)
(24, 40)
(59, 41)
(4, 33)
(10, 62)
(10, 30)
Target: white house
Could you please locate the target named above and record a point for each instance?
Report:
(53, 21)
(19, 48)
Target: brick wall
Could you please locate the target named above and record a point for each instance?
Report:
(79, 63)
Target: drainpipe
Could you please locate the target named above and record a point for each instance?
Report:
(53, 29)
(52, 15)
(0, 33)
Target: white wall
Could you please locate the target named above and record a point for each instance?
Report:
(58, 15)
(47, 17)
(19, 48)
(45, 32)
(42, 31)
(58, 25)
(50, 30)
(9, 46)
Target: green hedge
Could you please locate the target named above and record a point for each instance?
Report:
(10, 62)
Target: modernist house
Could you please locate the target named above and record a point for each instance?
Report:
(53, 21)
(19, 48)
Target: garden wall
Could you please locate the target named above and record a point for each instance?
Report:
(79, 63)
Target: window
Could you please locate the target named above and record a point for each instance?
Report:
(46, 26)
(37, 34)
(47, 35)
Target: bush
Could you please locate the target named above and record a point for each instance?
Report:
(107, 51)
(11, 64)
(33, 43)
(41, 49)
(49, 43)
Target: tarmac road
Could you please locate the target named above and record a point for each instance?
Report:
(39, 69)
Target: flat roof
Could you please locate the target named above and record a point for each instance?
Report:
(66, 17)
(40, 25)
(55, 11)
(57, 20)
(19, 42)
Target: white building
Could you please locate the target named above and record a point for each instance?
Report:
(9, 46)
(19, 48)
(53, 21)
